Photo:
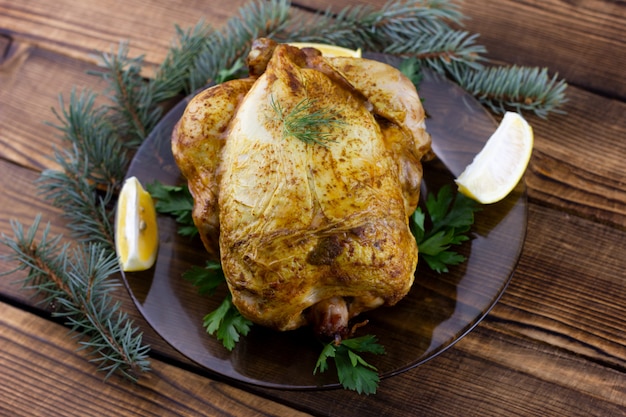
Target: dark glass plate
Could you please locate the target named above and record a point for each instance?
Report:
(439, 310)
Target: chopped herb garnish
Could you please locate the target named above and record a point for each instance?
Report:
(307, 121)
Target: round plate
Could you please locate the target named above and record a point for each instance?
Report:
(439, 310)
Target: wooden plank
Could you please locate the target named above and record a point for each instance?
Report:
(33, 81)
(19, 202)
(78, 29)
(561, 173)
(572, 38)
(34, 350)
(557, 295)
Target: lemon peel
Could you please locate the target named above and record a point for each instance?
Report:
(329, 50)
(501, 163)
(136, 230)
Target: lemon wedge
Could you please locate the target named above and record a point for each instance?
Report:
(500, 165)
(329, 50)
(136, 232)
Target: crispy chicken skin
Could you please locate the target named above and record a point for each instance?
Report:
(307, 233)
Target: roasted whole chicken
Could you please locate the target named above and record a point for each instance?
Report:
(304, 175)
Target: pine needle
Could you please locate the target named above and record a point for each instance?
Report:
(77, 282)
(517, 88)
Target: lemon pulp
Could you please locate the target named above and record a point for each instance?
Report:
(329, 50)
(500, 165)
(136, 231)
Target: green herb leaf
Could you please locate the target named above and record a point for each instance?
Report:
(227, 323)
(236, 71)
(206, 278)
(450, 218)
(322, 362)
(353, 371)
(307, 121)
(174, 201)
(412, 69)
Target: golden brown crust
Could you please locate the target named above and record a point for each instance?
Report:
(197, 142)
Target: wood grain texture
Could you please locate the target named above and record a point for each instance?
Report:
(30, 91)
(578, 158)
(79, 29)
(43, 374)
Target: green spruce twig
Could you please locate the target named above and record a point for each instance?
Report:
(364, 27)
(78, 283)
(87, 209)
(224, 48)
(517, 88)
(85, 126)
(131, 110)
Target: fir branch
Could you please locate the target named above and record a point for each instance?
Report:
(70, 190)
(518, 88)
(225, 47)
(132, 109)
(446, 52)
(88, 128)
(174, 76)
(77, 282)
(370, 29)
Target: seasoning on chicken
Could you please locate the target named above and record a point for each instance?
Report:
(303, 177)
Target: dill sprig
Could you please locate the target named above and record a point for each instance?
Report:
(77, 282)
(307, 121)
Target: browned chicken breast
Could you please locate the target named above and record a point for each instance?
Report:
(303, 178)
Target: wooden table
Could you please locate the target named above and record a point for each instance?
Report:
(555, 344)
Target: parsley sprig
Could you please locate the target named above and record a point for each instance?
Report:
(225, 322)
(175, 201)
(353, 371)
(450, 217)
